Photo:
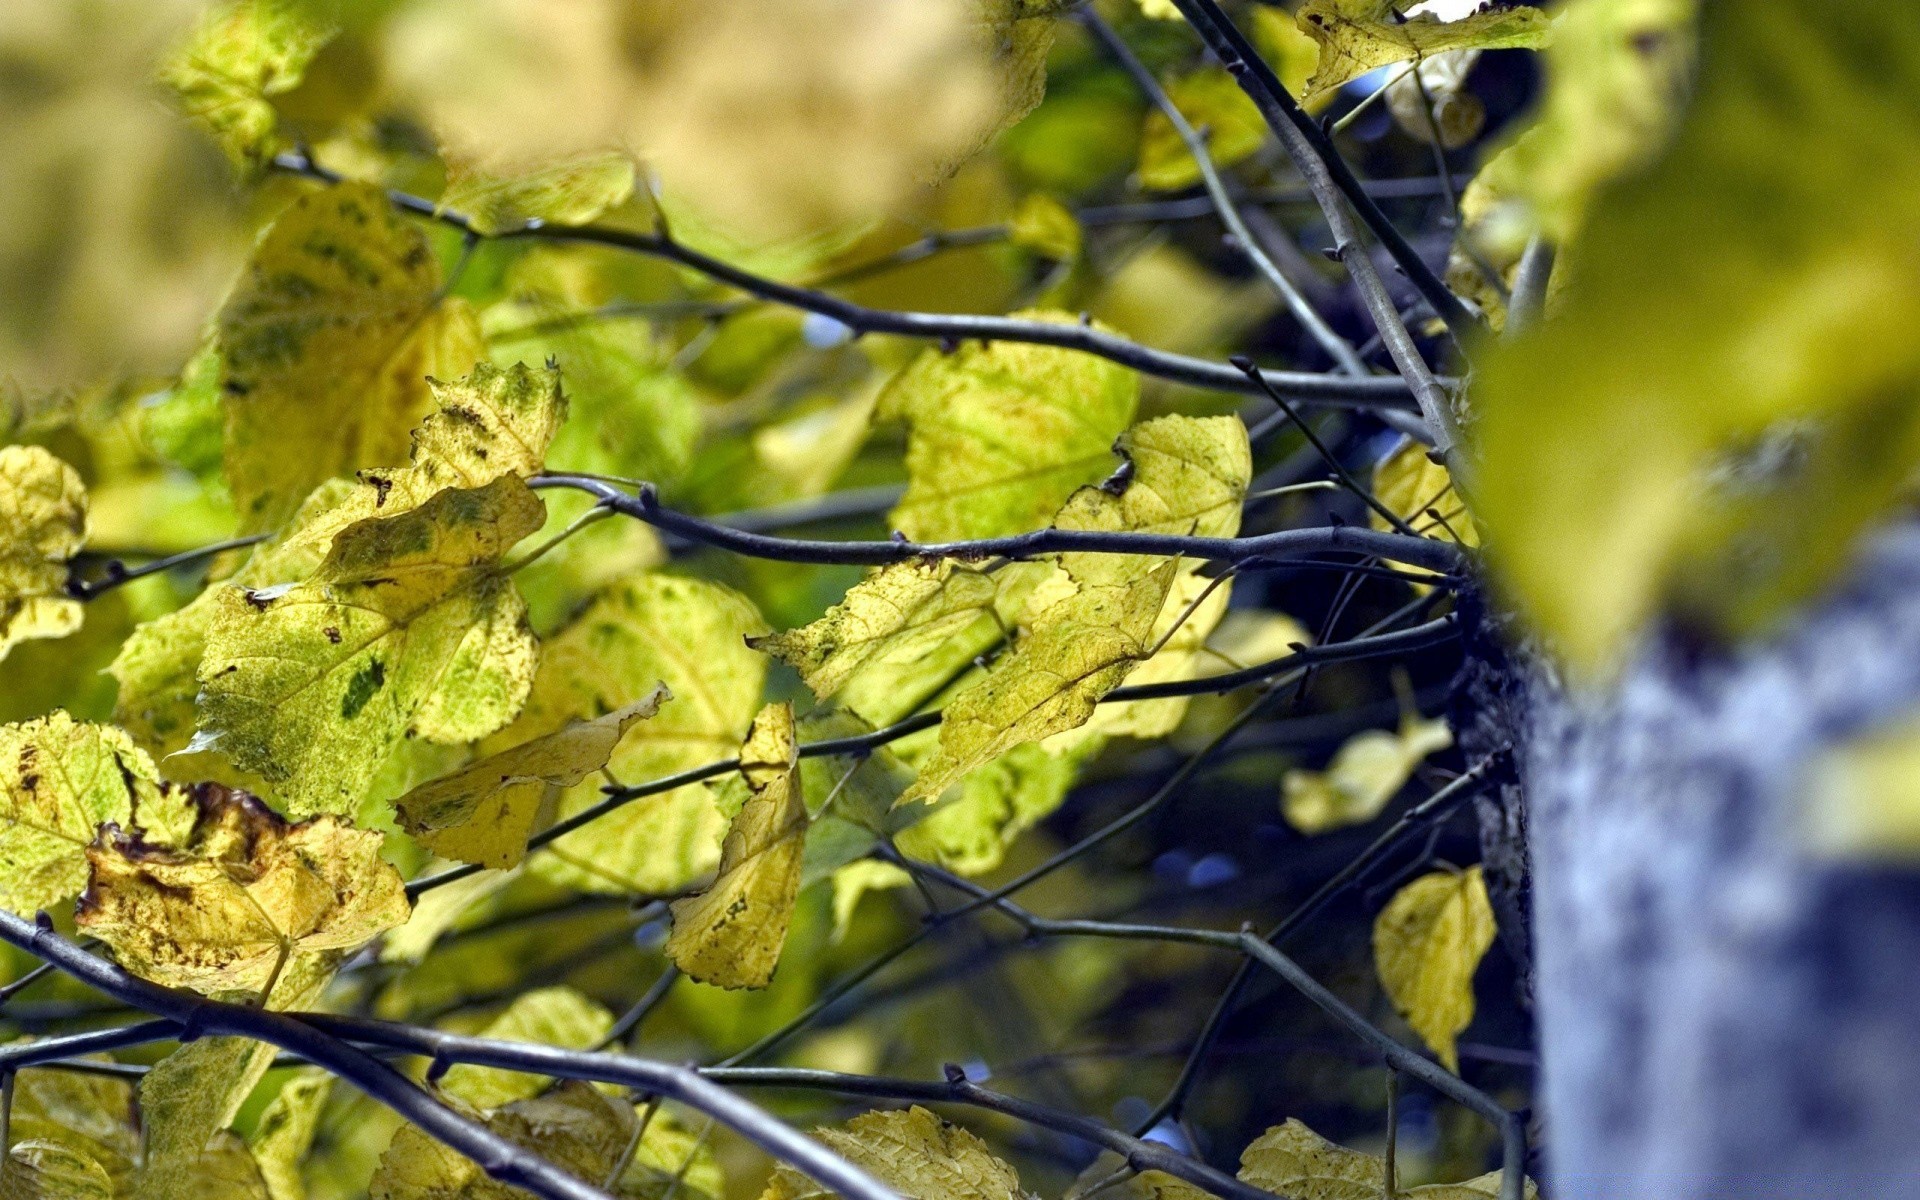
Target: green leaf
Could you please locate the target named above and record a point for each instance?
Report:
(1216, 106)
(914, 1152)
(60, 780)
(730, 934)
(327, 341)
(571, 192)
(246, 893)
(242, 53)
(1292, 1160)
(640, 632)
(554, 1016)
(43, 523)
(408, 626)
(1427, 944)
(484, 812)
(1355, 36)
(970, 830)
(574, 1127)
(1739, 417)
(1366, 772)
(1046, 227)
(286, 1130)
(999, 435)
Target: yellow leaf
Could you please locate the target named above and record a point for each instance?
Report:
(1366, 773)
(45, 1170)
(999, 435)
(407, 626)
(484, 812)
(91, 1114)
(490, 423)
(328, 340)
(285, 1132)
(1109, 1178)
(1216, 106)
(895, 617)
(1292, 1160)
(914, 1152)
(1416, 488)
(1356, 36)
(1046, 227)
(1433, 103)
(969, 831)
(555, 1016)
(571, 192)
(642, 631)
(1427, 944)
(60, 780)
(1290, 52)
(1735, 422)
(731, 934)
(43, 523)
(1863, 795)
(241, 53)
(575, 1127)
(223, 913)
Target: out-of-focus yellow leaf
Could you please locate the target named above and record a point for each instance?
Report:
(285, 1132)
(37, 1169)
(43, 523)
(1109, 1178)
(575, 1127)
(1712, 437)
(1292, 1160)
(1159, 10)
(60, 780)
(649, 629)
(408, 625)
(896, 616)
(999, 435)
(1290, 52)
(1046, 227)
(852, 882)
(91, 1114)
(1215, 105)
(226, 1171)
(571, 192)
(914, 1152)
(1366, 772)
(224, 912)
(1427, 944)
(730, 935)
(1432, 102)
(555, 1016)
(243, 52)
(1863, 795)
(1356, 36)
(327, 343)
(484, 812)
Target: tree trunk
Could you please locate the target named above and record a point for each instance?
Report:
(1722, 1014)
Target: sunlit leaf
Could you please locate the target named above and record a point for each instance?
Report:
(730, 934)
(571, 192)
(59, 781)
(286, 1131)
(640, 632)
(1216, 106)
(1356, 36)
(43, 523)
(555, 1016)
(327, 343)
(1292, 1160)
(1366, 772)
(407, 626)
(1427, 944)
(1740, 416)
(226, 911)
(483, 812)
(914, 1152)
(242, 53)
(1001, 434)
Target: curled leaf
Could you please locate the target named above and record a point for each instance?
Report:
(1355, 36)
(1366, 773)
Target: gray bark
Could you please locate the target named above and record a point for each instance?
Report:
(1721, 1012)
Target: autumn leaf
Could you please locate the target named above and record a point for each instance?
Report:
(1427, 944)
(552, 1016)
(1420, 492)
(914, 1152)
(286, 1131)
(575, 1127)
(60, 780)
(407, 626)
(1216, 106)
(327, 341)
(1000, 434)
(1292, 1160)
(242, 53)
(972, 828)
(1366, 773)
(730, 934)
(571, 192)
(92, 1115)
(43, 524)
(223, 913)
(1355, 36)
(37, 1169)
(1045, 226)
(483, 812)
